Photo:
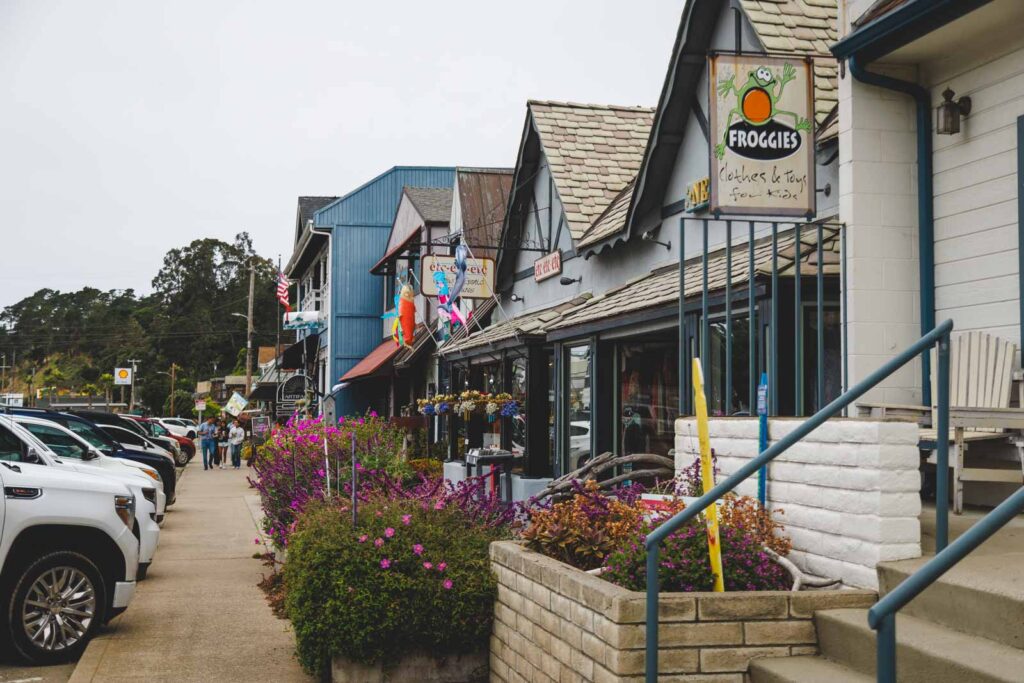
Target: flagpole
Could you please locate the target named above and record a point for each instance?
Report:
(277, 348)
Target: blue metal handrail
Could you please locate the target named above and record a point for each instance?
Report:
(882, 616)
(938, 336)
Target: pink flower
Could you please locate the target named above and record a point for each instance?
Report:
(378, 542)
(406, 519)
(320, 472)
(385, 563)
(447, 584)
(379, 513)
(373, 413)
(256, 540)
(389, 532)
(439, 505)
(362, 539)
(441, 567)
(417, 549)
(428, 565)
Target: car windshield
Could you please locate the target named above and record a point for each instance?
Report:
(94, 436)
(59, 441)
(123, 435)
(157, 428)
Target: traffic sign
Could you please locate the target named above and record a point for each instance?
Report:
(200, 406)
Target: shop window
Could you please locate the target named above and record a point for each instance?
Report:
(725, 399)
(832, 367)
(648, 397)
(579, 438)
(518, 391)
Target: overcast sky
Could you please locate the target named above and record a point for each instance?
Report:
(131, 127)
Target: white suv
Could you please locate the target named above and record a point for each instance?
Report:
(68, 556)
(62, 448)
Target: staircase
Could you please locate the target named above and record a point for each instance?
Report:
(967, 627)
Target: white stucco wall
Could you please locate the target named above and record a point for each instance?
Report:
(849, 491)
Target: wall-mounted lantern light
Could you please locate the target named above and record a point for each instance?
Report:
(518, 299)
(947, 114)
(570, 280)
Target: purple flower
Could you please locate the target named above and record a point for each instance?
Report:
(441, 567)
(406, 519)
(362, 539)
(417, 549)
(428, 565)
(385, 563)
(389, 532)
(378, 542)
(447, 584)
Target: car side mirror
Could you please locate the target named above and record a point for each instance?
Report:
(32, 456)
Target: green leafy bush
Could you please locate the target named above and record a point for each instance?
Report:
(412, 577)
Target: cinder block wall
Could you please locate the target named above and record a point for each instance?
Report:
(553, 622)
(850, 491)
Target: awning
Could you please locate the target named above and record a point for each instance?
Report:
(266, 391)
(532, 325)
(378, 268)
(407, 355)
(661, 288)
(292, 357)
(375, 363)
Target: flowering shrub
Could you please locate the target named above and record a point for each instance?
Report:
(290, 469)
(583, 530)
(684, 564)
(431, 468)
(411, 577)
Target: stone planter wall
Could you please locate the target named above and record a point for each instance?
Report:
(471, 668)
(850, 490)
(556, 623)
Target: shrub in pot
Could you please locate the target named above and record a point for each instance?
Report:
(411, 578)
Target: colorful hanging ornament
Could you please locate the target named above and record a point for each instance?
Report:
(407, 314)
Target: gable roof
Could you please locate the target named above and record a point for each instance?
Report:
(434, 204)
(796, 26)
(593, 151)
(612, 221)
(305, 210)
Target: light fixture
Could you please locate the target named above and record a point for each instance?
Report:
(570, 280)
(517, 298)
(649, 237)
(947, 114)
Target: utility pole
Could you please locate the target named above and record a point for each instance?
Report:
(3, 372)
(174, 366)
(251, 329)
(134, 362)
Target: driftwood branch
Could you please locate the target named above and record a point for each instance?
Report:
(651, 467)
(799, 578)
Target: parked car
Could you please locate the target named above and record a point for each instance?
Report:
(125, 422)
(177, 426)
(129, 437)
(68, 557)
(91, 432)
(186, 446)
(58, 447)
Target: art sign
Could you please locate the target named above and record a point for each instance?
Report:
(762, 135)
(303, 320)
(547, 266)
(479, 275)
(236, 404)
(698, 194)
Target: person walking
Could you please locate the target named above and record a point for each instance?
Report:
(208, 442)
(222, 443)
(235, 438)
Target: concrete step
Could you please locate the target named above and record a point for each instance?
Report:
(803, 670)
(925, 652)
(983, 595)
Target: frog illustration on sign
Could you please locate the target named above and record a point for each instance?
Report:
(756, 101)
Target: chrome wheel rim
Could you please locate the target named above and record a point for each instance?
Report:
(59, 608)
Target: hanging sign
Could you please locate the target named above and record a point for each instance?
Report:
(236, 404)
(762, 135)
(302, 320)
(547, 266)
(292, 392)
(698, 195)
(123, 376)
(479, 276)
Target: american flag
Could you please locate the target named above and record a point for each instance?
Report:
(282, 291)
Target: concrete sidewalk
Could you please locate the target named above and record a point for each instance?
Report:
(199, 616)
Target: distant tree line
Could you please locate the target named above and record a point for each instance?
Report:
(71, 341)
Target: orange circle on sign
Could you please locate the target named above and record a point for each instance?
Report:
(757, 106)
(122, 373)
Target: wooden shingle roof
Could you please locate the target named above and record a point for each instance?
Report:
(612, 221)
(593, 152)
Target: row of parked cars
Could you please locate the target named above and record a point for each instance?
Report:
(85, 495)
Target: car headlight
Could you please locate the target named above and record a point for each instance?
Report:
(124, 506)
(152, 474)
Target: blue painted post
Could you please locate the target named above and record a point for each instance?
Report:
(762, 418)
(886, 649)
(651, 655)
(942, 450)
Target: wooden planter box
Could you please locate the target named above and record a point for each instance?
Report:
(469, 668)
(554, 622)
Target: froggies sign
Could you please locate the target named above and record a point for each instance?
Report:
(762, 135)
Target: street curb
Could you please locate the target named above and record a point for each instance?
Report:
(89, 663)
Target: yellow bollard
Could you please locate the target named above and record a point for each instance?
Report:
(707, 475)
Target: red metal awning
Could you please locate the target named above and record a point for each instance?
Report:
(374, 362)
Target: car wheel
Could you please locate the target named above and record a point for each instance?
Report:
(181, 458)
(58, 603)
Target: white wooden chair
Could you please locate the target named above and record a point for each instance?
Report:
(981, 375)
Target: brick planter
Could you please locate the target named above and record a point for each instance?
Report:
(421, 667)
(556, 623)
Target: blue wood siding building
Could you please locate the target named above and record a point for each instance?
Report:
(359, 223)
